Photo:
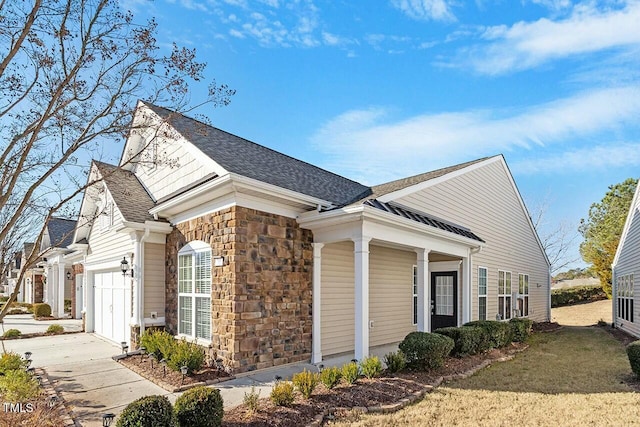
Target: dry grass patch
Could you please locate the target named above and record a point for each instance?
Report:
(572, 377)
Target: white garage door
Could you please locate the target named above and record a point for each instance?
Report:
(111, 300)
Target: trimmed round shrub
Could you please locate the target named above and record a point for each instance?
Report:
(199, 407)
(10, 362)
(282, 393)
(41, 310)
(186, 353)
(17, 385)
(160, 343)
(468, 339)
(306, 382)
(55, 330)
(12, 333)
(371, 367)
(520, 328)
(499, 332)
(350, 372)
(330, 377)
(424, 350)
(395, 361)
(148, 411)
(633, 352)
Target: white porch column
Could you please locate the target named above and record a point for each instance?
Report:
(361, 264)
(52, 286)
(466, 289)
(424, 291)
(316, 332)
(137, 314)
(62, 279)
(89, 301)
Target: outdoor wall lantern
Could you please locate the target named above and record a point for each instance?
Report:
(124, 266)
(68, 275)
(107, 419)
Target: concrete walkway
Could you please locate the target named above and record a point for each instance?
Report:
(26, 324)
(92, 383)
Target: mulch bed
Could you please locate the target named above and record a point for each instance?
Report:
(385, 394)
(171, 380)
(545, 326)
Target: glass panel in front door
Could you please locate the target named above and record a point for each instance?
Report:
(444, 295)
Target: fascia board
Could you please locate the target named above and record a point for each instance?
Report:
(627, 226)
(241, 181)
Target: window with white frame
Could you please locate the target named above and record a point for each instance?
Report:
(523, 294)
(106, 216)
(194, 291)
(504, 294)
(624, 297)
(415, 295)
(482, 293)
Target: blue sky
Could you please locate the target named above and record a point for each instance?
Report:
(379, 90)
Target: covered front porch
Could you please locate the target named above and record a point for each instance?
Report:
(377, 277)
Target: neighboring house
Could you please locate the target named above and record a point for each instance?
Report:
(58, 273)
(271, 260)
(626, 265)
(33, 278)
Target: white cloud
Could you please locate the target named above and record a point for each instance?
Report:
(555, 5)
(438, 10)
(294, 25)
(601, 157)
(526, 45)
(363, 143)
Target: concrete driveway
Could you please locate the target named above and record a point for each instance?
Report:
(26, 324)
(81, 369)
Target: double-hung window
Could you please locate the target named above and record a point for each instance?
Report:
(194, 291)
(482, 293)
(624, 293)
(523, 297)
(504, 294)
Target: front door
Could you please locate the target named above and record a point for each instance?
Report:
(444, 299)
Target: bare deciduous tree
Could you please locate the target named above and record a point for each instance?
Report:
(71, 73)
(558, 240)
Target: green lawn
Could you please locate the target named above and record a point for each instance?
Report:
(573, 377)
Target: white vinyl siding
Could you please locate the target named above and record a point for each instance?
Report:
(482, 293)
(154, 279)
(484, 200)
(627, 265)
(194, 291)
(337, 294)
(390, 294)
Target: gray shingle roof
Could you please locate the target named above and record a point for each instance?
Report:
(423, 218)
(399, 184)
(129, 195)
(246, 158)
(61, 231)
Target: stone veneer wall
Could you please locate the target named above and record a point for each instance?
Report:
(37, 288)
(261, 297)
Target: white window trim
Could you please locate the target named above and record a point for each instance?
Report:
(190, 250)
(505, 307)
(624, 293)
(414, 297)
(524, 294)
(486, 291)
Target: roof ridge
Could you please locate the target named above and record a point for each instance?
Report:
(251, 142)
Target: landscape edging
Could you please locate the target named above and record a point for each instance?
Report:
(414, 397)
